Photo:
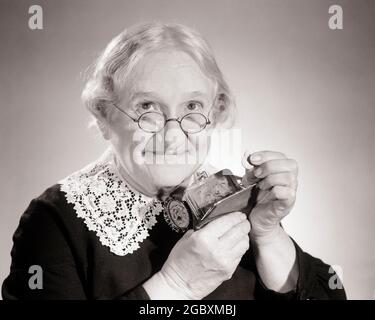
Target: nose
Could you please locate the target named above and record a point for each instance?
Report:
(173, 135)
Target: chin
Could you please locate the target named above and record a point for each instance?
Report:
(165, 175)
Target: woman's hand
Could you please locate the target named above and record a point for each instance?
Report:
(201, 260)
(277, 176)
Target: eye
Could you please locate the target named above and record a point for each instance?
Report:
(146, 106)
(194, 106)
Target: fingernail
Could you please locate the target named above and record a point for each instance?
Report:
(245, 161)
(255, 158)
(258, 172)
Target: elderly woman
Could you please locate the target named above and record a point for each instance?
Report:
(103, 232)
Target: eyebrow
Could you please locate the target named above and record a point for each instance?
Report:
(153, 94)
(140, 94)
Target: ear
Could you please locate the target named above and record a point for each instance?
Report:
(98, 110)
(104, 129)
(220, 111)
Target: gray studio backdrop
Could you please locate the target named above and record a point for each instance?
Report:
(301, 88)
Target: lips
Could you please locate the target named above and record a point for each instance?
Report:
(168, 152)
(175, 152)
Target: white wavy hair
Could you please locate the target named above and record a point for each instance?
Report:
(110, 72)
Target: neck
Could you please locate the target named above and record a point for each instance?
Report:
(149, 192)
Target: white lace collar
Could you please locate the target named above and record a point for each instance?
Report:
(119, 215)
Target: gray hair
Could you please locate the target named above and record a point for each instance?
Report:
(111, 70)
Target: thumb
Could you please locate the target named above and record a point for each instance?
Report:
(249, 178)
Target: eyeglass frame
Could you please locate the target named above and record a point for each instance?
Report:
(179, 120)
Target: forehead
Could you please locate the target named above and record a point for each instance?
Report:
(170, 73)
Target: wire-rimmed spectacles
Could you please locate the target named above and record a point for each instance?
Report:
(153, 121)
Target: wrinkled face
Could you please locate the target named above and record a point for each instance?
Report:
(171, 83)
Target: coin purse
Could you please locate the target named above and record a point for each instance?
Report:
(207, 199)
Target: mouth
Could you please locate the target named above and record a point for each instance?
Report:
(166, 158)
(167, 153)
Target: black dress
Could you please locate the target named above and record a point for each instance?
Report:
(76, 265)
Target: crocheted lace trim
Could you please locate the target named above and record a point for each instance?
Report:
(119, 215)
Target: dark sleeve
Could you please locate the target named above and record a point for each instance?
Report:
(138, 293)
(315, 279)
(44, 263)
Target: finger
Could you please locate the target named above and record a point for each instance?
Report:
(219, 226)
(235, 234)
(240, 248)
(276, 166)
(234, 262)
(246, 160)
(287, 179)
(279, 193)
(259, 157)
(282, 205)
(249, 160)
(249, 178)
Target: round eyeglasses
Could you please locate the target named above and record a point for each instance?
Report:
(152, 121)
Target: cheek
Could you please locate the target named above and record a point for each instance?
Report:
(200, 144)
(130, 143)
(121, 136)
(139, 142)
